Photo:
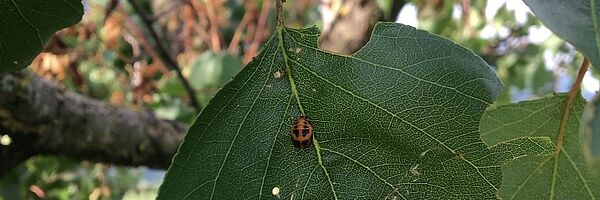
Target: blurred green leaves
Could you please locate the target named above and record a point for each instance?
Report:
(575, 21)
(62, 178)
(26, 25)
(207, 74)
(211, 70)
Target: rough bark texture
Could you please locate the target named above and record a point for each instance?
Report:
(43, 118)
(351, 27)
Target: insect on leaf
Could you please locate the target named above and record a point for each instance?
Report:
(399, 120)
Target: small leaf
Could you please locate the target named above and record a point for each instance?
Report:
(26, 25)
(559, 175)
(399, 119)
(577, 21)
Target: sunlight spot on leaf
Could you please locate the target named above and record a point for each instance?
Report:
(424, 152)
(277, 74)
(414, 171)
(5, 140)
(276, 191)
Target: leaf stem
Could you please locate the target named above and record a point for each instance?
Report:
(288, 70)
(564, 118)
(570, 97)
(279, 11)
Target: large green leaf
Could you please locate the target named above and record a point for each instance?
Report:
(561, 175)
(26, 25)
(577, 21)
(399, 119)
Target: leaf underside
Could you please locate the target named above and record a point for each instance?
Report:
(399, 119)
(577, 21)
(26, 25)
(559, 175)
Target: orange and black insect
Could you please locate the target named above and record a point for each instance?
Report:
(301, 132)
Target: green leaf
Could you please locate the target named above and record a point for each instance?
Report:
(577, 21)
(559, 175)
(591, 134)
(399, 119)
(591, 129)
(26, 26)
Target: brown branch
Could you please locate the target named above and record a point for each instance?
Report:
(259, 34)
(279, 12)
(42, 118)
(233, 45)
(201, 29)
(173, 7)
(167, 57)
(135, 32)
(573, 92)
(466, 8)
(214, 30)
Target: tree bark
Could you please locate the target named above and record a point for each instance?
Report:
(42, 118)
(347, 27)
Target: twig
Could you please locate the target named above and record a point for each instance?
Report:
(135, 31)
(259, 34)
(171, 8)
(233, 45)
(466, 7)
(112, 5)
(202, 21)
(279, 11)
(215, 36)
(165, 55)
(574, 91)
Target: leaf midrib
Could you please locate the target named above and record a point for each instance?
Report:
(294, 91)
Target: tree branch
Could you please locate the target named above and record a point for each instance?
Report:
(42, 118)
(166, 56)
